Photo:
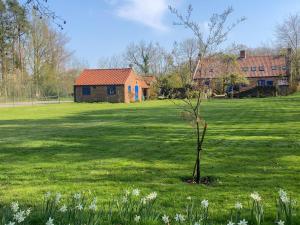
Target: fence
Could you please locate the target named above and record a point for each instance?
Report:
(34, 101)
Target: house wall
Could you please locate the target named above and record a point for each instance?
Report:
(99, 94)
(130, 96)
(277, 82)
(253, 82)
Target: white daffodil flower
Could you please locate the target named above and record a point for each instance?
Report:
(137, 218)
(204, 203)
(165, 219)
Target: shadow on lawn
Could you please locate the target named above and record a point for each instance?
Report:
(139, 134)
(102, 133)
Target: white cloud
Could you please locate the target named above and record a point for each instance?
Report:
(146, 12)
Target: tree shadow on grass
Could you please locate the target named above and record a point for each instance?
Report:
(143, 136)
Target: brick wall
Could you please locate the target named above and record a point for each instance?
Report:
(132, 81)
(99, 94)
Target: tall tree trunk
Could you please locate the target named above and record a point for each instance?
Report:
(4, 75)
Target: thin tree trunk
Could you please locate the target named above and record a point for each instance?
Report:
(198, 155)
(197, 169)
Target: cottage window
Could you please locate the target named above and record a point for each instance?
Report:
(86, 90)
(111, 90)
(207, 82)
(245, 69)
(129, 89)
(261, 83)
(274, 67)
(261, 68)
(253, 68)
(270, 83)
(284, 68)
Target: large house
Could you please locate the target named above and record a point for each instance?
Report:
(265, 72)
(111, 85)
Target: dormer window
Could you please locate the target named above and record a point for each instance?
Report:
(261, 68)
(211, 70)
(253, 68)
(274, 67)
(284, 68)
(245, 69)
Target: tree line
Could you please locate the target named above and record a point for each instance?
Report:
(34, 60)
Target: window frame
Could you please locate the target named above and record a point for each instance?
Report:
(111, 90)
(261, 83)
(261, 68)
(86, 90)
(253, 68)
(270, 83)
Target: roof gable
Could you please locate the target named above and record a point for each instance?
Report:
(103, 76)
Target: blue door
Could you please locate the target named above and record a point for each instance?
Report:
(136, 93)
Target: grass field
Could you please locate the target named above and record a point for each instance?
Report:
(251, 145)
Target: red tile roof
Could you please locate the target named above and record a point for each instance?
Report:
(103, 76)
(267, 62)
(149, 79)
(146, 81)
(214, 67)
(142, 82)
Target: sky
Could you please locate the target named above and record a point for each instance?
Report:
(103, 28)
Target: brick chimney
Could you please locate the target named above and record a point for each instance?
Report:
(243, 54)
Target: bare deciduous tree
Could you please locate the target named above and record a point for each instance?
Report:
(43, 11)
(47, 57)
(185, 59)
(288, 36)
(208, 42)
(147, 58)
(115, 61)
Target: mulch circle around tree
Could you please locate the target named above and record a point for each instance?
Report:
(207, 180)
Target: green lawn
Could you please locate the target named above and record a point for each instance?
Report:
(251, 145)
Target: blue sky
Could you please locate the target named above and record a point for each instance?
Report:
(102, 28)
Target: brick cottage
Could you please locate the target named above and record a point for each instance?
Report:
(111, 85)
(267, 74)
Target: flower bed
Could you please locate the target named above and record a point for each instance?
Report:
(134, 208)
